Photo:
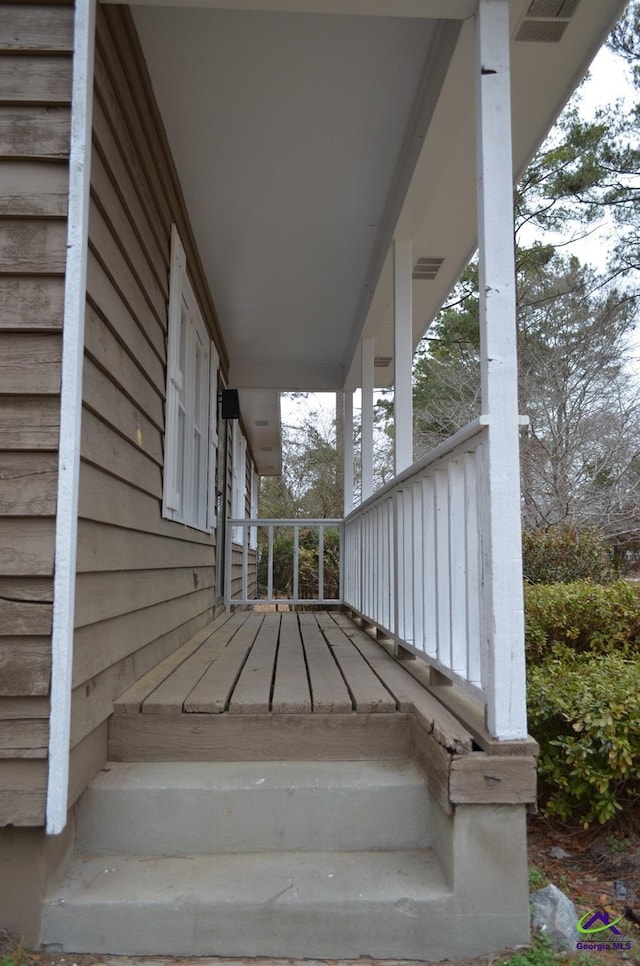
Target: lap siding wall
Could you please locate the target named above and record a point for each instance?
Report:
(144, 584)
(35, 91)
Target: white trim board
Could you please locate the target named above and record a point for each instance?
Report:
(70, 416)
(428, 9)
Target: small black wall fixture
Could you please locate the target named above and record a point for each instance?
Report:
(230, 404)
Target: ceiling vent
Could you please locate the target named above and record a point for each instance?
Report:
(427, 268)
(553, 9)
(546, 21)
(382, 362)
(261, 422)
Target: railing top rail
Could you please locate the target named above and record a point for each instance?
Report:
(439, 452)
(286, 522)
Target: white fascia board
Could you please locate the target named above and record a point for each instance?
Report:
(422, 9)
(286, 377)
(70, 416)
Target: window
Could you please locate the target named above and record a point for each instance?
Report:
(191, 424)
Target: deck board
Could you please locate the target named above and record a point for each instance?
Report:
(172, 693)
(212, 693)
(291, 692)
(409, 693)
(315, 662)
(368, 692)
(252, 693)
(130, 702)
(329, 692)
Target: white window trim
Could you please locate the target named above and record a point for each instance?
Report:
(238, 483)
(187, 499)
(253, 512)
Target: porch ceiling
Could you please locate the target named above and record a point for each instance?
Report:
(305, 142)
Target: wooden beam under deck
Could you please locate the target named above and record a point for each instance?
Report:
(287, 686)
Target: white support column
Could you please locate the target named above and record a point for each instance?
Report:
(368, 346)
(348, 453)
(403, 354)
(503, 620)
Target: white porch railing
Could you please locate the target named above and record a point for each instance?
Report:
(262, 568)
(413, 559)
(416, 561)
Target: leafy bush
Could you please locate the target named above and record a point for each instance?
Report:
(566, 554)
(584, 709)
(583, 616)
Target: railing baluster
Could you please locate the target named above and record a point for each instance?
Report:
(392, 565)
(372, 562)
(321, 562)
(296, 561)
(430, 562)
(457, 564)
(379, 573)
(483, 513)
(270, 565)
(443, 598)
(408, 564)
(398, 534)
(385, 563)
(245, 565)
(418, 567)
(473, 568)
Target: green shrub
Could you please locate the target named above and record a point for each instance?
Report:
(562, 555)
(584, 710)
(583, 616)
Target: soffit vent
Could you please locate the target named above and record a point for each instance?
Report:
(542, 31)
(382, 362)
(546, 21)
(427, 268)
(553, 9)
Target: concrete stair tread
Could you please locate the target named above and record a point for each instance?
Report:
(246, 774)
(252, 877)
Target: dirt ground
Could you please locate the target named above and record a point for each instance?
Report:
(596, 868)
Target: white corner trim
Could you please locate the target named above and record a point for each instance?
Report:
(70, 416)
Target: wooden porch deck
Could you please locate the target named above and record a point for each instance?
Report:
(312, 685)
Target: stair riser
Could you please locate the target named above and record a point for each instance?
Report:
(325, 905)
(406, 930)
(183, 822)
(311, 931)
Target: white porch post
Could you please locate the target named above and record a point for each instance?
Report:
(368, 345)
(348, 453)
(503, 621)
(403, 345)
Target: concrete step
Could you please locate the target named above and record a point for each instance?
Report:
(307, 905)
(190, 808)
